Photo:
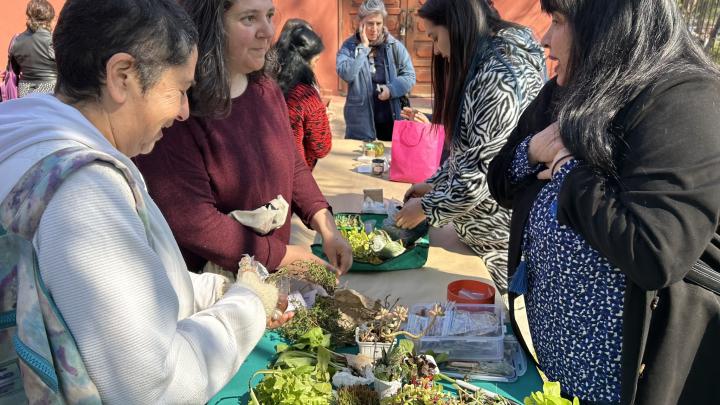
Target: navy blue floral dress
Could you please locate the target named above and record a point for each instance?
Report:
(574, 296)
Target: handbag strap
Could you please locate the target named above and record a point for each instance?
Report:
(422, 134)
(704, 276)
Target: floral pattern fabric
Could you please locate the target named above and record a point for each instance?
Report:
(52, 369)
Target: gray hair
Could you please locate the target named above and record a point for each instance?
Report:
(370, 7)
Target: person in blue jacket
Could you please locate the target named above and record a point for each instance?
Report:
(379, 74)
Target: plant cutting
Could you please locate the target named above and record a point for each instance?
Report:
(550, 395)
(309, 271)
(357, 395)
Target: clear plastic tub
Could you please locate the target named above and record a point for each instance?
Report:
(512, 366)
(470, 332)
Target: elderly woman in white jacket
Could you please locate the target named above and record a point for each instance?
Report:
(147, 331)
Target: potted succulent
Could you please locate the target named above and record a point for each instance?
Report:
(379, 334)
(391, 368)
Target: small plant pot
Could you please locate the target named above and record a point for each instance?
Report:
(387, 388)
(373, 350)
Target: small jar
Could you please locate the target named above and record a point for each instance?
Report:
(379, 148)
(370, 150)
(378, 167)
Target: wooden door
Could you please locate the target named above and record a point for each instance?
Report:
(403, 24)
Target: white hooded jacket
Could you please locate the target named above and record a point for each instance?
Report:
(148, 330)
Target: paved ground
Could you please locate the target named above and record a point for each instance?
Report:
(337, 122)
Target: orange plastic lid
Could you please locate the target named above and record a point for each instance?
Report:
(471, 292)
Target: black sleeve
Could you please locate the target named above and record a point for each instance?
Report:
(657, 217)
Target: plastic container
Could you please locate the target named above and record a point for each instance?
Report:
(512, 366)
(373, 350)
(484, 345)
(471, 292)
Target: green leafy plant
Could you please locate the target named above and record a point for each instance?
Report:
(360, 242)
(324, 314)
(301, 374)
(351, 221)
(357, 395)
(550, 395)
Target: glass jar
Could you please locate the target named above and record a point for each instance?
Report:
(378, 167)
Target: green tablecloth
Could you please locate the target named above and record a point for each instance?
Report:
(236, 391)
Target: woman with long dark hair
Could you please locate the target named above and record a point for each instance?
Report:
(613, 175)
(229, 178)
(297, 54)
(486, 71)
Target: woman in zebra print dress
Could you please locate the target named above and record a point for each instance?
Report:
(483, 79)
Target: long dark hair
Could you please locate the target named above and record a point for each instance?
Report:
(620, 47)
(210, 95)
(294, 55)
(470, 24)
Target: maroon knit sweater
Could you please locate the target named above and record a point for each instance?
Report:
(203, 169)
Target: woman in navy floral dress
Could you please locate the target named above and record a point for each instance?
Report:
(613, 175)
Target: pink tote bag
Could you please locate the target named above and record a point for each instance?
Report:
(416, 151)
(9, 86)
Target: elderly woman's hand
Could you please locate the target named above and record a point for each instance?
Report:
(411, 215)
(384, 93)
(273, 323)
(363, 36)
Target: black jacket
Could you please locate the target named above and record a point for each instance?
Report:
(33, 57)
(653, 221)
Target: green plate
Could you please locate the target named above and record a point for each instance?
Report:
(413, 258)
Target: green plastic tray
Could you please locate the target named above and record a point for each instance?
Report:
(413, 258)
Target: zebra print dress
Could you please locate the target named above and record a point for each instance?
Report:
(493, 102)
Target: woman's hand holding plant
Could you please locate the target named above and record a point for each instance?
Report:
(336, 248)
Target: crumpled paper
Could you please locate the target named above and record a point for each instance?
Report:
(262, 220)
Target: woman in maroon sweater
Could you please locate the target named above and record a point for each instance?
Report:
(297, 54)
(236, 152)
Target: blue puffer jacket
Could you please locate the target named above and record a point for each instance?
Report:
(353, 66)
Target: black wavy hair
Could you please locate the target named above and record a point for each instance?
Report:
(469, 23)
(157, 33)
(619, 48)
(294, 54)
